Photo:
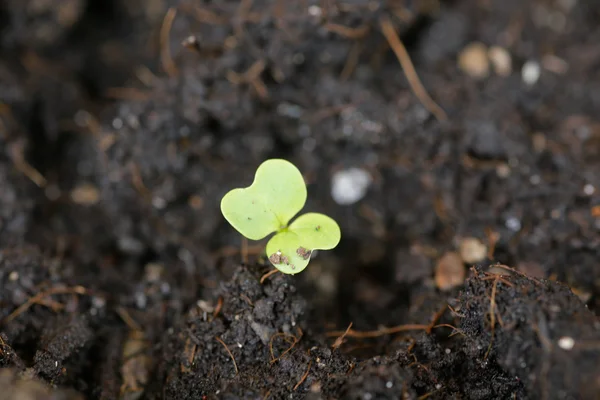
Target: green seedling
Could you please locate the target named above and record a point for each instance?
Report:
(267, 206)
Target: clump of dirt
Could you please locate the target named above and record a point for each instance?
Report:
(535, 330)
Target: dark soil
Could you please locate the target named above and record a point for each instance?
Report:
(119, 278)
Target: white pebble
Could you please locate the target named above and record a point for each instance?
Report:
(513, 224)
(589, 190)
(389, 384)
(535, 179)
(530, 73)
(117, 123)
(566, 343)
(349, 186)
(159, 202)
(315, 11)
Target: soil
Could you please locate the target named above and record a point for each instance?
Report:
(121, 280)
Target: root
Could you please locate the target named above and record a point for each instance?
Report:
(409, 70)
(338, 342)
(268, 274)
(287, 337)
(379, 332)
(38, 299)
(230, 354)
(303, 376)
(165, 47)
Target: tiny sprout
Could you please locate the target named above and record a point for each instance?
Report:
(267, 206)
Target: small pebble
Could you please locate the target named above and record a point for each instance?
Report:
(566, 343)
(85, 194)
(315, 11)
(13, 276)
(589, 190)
(513, 224)
(449, 272)
(472, 250)
(503, 170)
(473, 60)
(501, 60)
(530, 73)
(555, 64)
(349, 186)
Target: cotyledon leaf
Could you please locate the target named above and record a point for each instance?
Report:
(290, 250)
(317, 231)
(276, 195)
(282, 250)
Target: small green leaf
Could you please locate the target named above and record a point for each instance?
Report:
(276, 195)
(290, 250)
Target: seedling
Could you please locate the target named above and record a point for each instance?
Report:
(277, 194)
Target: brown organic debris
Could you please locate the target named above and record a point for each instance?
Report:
(136, 363)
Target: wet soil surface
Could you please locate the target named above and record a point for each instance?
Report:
(467, 268)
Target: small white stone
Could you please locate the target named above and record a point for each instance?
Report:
(13, 276)
(535, 179)
(349, 186)
(531, 71)
(448, 351)
(389, 384)
(589, 190)
(117, 123)
(566, 343)
(513, 224)
(315, 11)
(159, 202)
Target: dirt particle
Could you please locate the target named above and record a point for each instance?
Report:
(473, 60)
(501, 60)
(196, 202)
(303, 252)
(449, 271)
(275, 258)
(85, 194)
(472, 250)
